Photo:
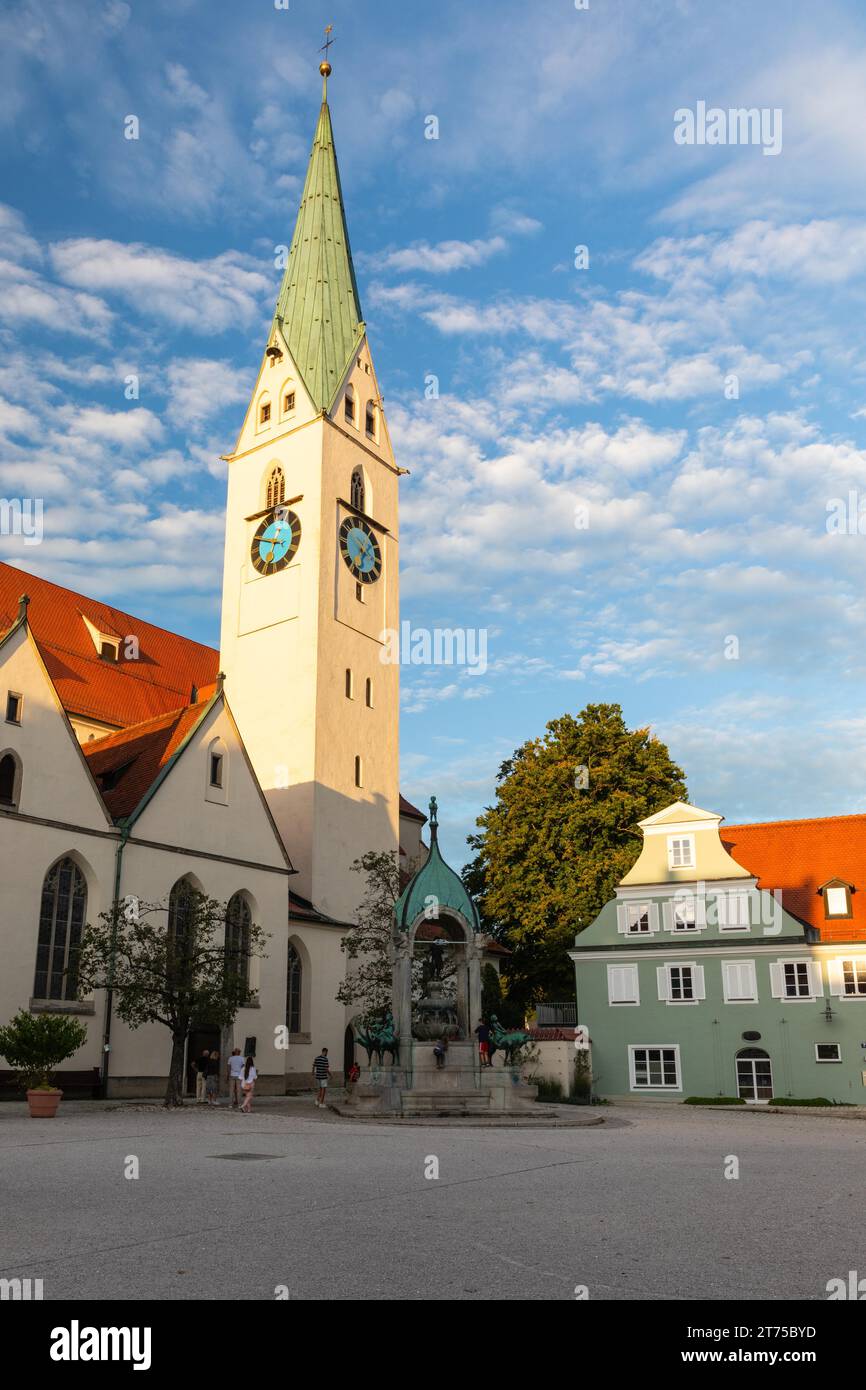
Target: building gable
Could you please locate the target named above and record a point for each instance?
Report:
(55, 782)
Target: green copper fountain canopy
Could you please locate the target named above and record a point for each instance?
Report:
(437, 880)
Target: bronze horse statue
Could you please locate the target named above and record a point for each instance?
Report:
(509, 1043)
(380, 1040)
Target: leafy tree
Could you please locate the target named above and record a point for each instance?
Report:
(562, 833)
(367, 982)
(170, 965)
(510, 1012)
(366, 945)
(35, 1046)
(491, 991)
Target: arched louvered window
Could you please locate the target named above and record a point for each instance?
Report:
(238, 923)
(294, 979)
(358, 494)
(276, 488)
(61, 918)
(349, 405)
(371, 422)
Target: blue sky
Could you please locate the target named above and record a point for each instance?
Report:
(560, 388)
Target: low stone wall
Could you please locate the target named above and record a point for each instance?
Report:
(554, 1048)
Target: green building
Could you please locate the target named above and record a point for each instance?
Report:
(731, 962)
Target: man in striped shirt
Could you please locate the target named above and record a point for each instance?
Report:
(322, 1071)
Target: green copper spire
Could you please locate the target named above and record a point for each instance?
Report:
(319, 309)
(435, 883)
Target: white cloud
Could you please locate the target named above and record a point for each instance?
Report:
(208, 296)
(441, 259)
(199, 389)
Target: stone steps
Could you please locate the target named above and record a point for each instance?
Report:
(442, 1102)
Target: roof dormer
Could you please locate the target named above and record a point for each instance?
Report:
(837, 899)
(107, 644)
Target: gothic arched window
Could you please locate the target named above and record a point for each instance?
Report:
(358, 493)
(293, 991)
(238, 923)
(276, 488)
(181, 929)
(61, 918)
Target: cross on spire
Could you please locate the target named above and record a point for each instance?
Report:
(329, 29)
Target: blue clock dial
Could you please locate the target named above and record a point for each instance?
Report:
(359, 547)
(276, 541)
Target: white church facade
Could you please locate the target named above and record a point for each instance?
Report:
(133, 760)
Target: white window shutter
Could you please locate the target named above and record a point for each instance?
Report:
(668, 915)
(836, 978)
(815, 979)
(632, 989)
(699, 986)
(777, 980)
(749, 980)
(653, 917)
(700, 909)
(622, 984)
(621, 918)
(663, 981)
(730, 980)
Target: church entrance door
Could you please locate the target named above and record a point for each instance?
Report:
(199, 1039)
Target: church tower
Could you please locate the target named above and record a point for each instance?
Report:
(310, 584)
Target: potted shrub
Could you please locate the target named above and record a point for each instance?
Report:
(34, 1046)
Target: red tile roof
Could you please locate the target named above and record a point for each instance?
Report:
(407, 809)
(798, 856)
(121, 693)
(126, 764)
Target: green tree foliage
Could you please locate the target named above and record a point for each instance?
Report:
(491, 990)
(366, 945)
(170, 968)
(551, 850)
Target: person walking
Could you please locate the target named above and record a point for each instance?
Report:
(212, 1079)
(248, 1084)
(322, 1073)
(201, 1076)
(233, 1075)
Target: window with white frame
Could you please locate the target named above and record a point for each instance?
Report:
(654, 1068)
(637, 918)
(798, 984)
(622, 984)
(854, 978)
(847, 977)
(732, 912)
(681, 851)
(683, 917)
(739, 982)
(681, 982)
(796, 979)
(828, 1052)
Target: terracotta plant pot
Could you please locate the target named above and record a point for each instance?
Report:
(43, 1104)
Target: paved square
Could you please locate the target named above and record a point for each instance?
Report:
(636, 1208)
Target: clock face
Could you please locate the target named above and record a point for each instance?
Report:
(276, 541)
(360, 550)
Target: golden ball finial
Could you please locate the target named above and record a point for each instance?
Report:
(325, 69)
